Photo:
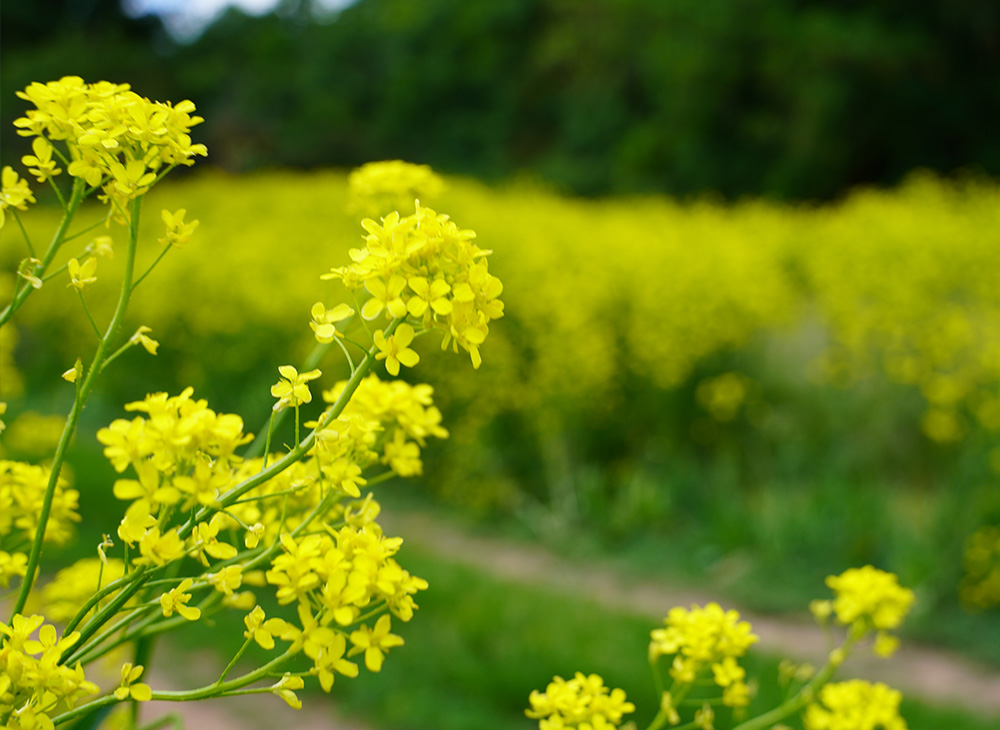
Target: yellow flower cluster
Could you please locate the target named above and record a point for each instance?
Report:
(425, 268)
(114, 137)
(339, 573)
(868, 599)
(935, 323)
(22, 488)
(702, 640)
(182, 451)
(980, 586)
(377, 188)
(333, 579)
(583, 702)
(33, 684)
(404, 413)
(855, 705)
(14, 193)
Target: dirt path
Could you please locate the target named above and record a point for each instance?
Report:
(938, 677)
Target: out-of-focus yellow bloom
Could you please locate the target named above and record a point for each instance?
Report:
(178, 232)
(980, 585)
(377, 188)
(581, 702)
(706, 638)
(82, 274)
(141, 338)
(857, 705)
(869, 598)
(14, 192)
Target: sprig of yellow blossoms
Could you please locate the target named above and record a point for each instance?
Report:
(704, 645)
(208, 518)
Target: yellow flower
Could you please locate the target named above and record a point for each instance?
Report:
(324, 320)
(254, 533)
(857, 705)
(395, 350)
(176, 600)
(140, 338)
(12, 566)
(261, 631)
(27, 268)
(583, 702)
(14, 192)
(129, 688)
(284, 687)
(374, 642)
(159, 549)
(178, 232)
(867, 597)
(131, 179)
(81, 275)
(41, 164)
(292, 390)
(74, 373)
(206, 540)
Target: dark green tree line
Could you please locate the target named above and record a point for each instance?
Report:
(792, 98)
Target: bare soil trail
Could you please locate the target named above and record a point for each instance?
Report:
(935, 676)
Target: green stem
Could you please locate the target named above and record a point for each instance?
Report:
(117, 354)
(801, 698)
(152, 265)
(57, 241)
(74, 416)
(99, 619)
(86, 310)
(86, 709)
(229, 667)
(58, 192)
(27, 238)
(215, 689)
(96, 651)
(81, 232)
(111, 587)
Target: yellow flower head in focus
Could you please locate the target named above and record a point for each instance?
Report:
(292, 389)
(129, 688)
(395, 349)
(176, 600)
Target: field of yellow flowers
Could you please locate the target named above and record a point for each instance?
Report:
(731, 375)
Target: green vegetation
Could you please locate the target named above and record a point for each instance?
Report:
(798, 99)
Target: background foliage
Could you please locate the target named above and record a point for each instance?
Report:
(788, 98)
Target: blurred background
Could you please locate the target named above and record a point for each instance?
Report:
(751, 258)
(796, 99)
